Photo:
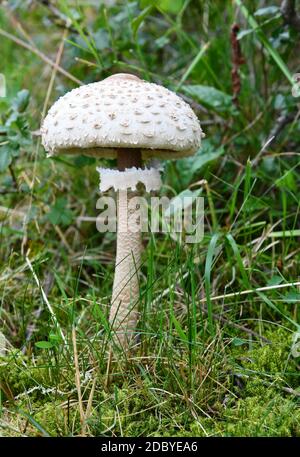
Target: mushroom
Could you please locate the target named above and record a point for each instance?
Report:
(131, 120)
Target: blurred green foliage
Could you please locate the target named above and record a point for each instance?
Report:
(215, 356)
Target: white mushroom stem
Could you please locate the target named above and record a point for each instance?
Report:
(123, 313)
(125, 296)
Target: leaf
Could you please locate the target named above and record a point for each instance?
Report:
(292, 297)
(162, 41)
(55, 338)
(275, 280)
(137, 21)
(243, 33)
(191, 165)
(168, 6)
(82, 161)
(6, 157)
(171, 6)
(59, 213)
(238, 341)
(20, 102)
(211, 97)
(179, 330)
(269, 164)
(202, 159)
(267, 11)
(101, 39)
(287, 181)
(33, 422)
(44, 345)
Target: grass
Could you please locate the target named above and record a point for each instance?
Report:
(218, 318)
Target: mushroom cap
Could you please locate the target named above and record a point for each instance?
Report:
(121, 111)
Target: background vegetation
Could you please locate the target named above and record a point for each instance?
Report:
(218, 318)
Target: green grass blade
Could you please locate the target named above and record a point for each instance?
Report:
(264, 40)
(207, 276)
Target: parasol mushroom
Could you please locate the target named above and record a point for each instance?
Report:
(131, 120)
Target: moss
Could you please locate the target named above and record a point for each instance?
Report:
(18, 374)
(269, 365)
(261, 416)
(57, 419)
(271, 358)
(260, 406)
(124, 408)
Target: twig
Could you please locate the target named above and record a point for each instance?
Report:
(291, 391)
(89, 406)
(290, 15)
(55, 69)
(63, 239)
(13, 175)
(288, 390)
(42, 56)
(282, 121)
(252, 291)
(224, 296)
(8, 191)
(108, 369)
(12, 212)
(196, 106)
(238, 326)
(77, 380)
(62, 19)
(261, 152)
